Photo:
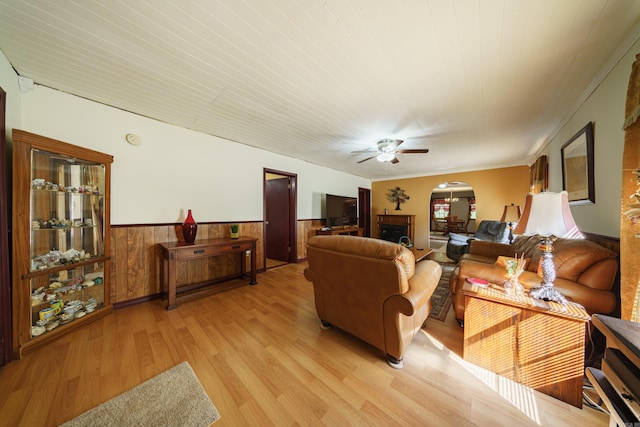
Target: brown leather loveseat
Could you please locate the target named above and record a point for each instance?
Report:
(372, 289)
(585, 271)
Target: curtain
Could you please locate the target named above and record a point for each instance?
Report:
(629, 223)
(439, 208)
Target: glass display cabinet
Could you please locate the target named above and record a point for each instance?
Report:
(61, 242)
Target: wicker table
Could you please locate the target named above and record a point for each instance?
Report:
(536, 343)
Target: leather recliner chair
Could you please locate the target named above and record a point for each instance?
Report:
(490, 231)
(372, 289)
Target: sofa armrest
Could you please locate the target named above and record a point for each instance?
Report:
(490, 249)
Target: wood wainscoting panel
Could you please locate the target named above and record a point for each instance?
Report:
(307, 229)
(135, 262)
(135, 255)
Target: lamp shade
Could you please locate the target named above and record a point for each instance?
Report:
(511, 213)
(547, 214)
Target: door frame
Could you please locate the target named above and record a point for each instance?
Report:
(293, 213)
(6, 340)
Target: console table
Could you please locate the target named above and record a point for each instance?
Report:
(536, 343)
(173, 252)
(350, 230)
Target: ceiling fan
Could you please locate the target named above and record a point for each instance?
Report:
(387, 149)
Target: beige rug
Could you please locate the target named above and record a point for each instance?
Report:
(172, 398)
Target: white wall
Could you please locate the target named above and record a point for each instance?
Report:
(605, 108)
(175, 169)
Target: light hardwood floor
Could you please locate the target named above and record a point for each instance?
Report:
(263, 359)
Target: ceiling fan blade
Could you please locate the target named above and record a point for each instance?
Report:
(392, 144)
(395, 160)
(364, 151)
(368, 158)
(414, 151)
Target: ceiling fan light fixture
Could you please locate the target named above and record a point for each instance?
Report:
(385, 157)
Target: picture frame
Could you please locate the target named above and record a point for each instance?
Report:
(577, 167)
(539, 175)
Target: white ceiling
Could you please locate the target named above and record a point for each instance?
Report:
(481, 84)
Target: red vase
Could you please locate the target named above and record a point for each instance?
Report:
(189, 228)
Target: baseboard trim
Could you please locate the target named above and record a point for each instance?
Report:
(136, 301)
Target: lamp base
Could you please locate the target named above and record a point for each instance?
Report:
(547, 292)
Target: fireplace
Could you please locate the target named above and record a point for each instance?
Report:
(392, 232)
(393, 227)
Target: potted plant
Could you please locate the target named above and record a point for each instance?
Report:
(235, 231)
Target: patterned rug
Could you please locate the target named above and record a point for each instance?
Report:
(441, 298)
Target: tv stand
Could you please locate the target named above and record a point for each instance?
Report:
(341, 229)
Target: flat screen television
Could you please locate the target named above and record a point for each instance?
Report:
(341, 210)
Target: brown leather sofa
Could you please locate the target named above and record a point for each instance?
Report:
(372, 289)
(585, 271)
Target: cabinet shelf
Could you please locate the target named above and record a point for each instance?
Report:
(61, 202)
(65, 192)
(63, 228)
(63, 267)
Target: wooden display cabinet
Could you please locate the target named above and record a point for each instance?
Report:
(61, 239)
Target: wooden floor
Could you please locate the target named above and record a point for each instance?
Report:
(263, 359)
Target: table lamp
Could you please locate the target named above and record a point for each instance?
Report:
(511, 215)
(548, 215)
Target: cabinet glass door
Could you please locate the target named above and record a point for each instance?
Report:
(67, 239)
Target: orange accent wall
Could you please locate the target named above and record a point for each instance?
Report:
(493, 188)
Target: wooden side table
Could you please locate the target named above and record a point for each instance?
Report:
(536, 343)
(178, 251)
(421, 254)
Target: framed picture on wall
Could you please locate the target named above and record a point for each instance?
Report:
(538, 175)
(577, 167)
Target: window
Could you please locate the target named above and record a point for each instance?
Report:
(472, 208)
(440, 208)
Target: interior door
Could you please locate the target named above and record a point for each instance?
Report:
(277, 218)
(364, 211)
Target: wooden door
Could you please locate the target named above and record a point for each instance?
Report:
(364, 211)
(5, 283)
(277, 218)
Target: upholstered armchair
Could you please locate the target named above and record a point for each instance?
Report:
(372, 289)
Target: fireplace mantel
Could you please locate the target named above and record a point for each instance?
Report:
(407, 221)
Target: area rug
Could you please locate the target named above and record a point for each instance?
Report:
(441, 298)
(172, 398)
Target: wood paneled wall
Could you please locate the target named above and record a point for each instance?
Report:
(135, 256)
(307, 229)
